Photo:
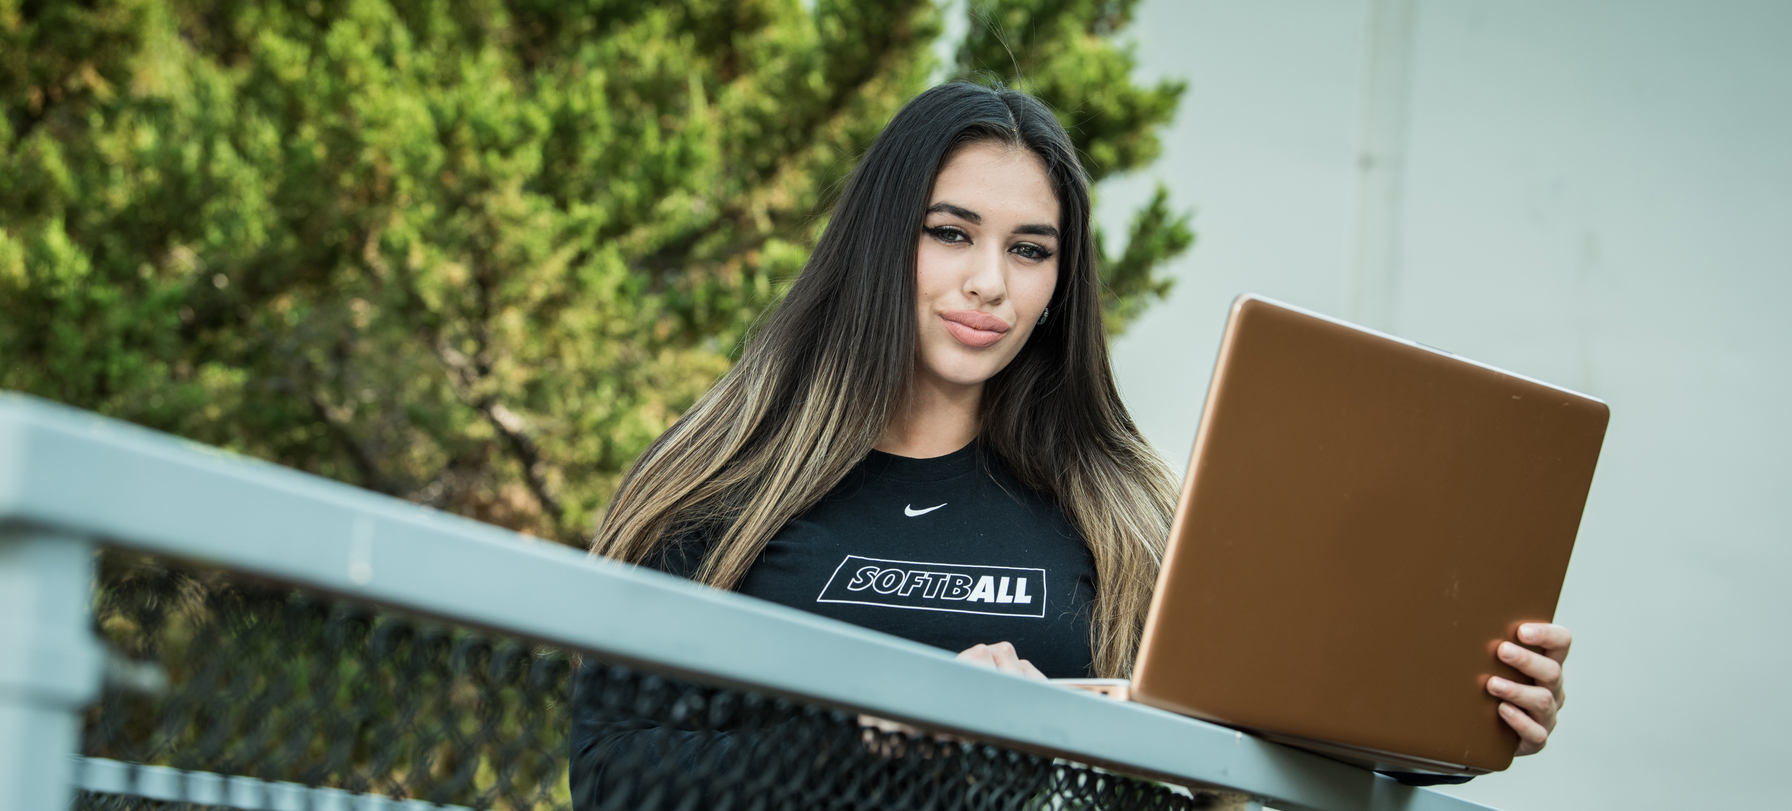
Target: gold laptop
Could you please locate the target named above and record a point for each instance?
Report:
(1363, 521)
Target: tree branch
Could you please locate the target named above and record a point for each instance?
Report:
(510, 426)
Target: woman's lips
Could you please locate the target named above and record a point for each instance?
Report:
(974, 328)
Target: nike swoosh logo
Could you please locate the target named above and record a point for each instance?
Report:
(912, 512)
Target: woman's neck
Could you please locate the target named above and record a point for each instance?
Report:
(936, 420)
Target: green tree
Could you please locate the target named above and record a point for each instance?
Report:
(475, 254)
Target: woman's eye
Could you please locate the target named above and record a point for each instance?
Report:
(948, 234)
(1028, 250)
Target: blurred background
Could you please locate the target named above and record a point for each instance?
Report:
(477, 255)
(1597, 194)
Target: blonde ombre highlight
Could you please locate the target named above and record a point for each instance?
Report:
(830, 365)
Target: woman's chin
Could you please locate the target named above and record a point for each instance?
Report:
(960, 375)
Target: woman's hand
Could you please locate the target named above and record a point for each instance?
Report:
(1531, 709)
(1001, 656)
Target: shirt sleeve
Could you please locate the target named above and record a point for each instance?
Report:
(605, 748)
(612, 756)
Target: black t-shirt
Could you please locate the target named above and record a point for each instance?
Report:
(951, 552)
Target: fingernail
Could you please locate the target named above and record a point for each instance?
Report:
(1509, 650)
(1499, 685)
(1527, 633)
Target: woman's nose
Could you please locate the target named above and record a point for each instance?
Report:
(985, 277)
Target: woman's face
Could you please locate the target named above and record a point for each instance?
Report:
(987, 264)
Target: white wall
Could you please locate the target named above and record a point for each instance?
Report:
(1598, 194)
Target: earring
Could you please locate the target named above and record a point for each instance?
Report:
(1043, 313)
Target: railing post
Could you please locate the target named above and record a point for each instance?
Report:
(50, 666)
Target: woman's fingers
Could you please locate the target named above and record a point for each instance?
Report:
(1537, 702)
(1008, 660)
(978, 654)
(1531, 735)
(1531, 710)
(1543, 670)
(1553, 639)
(1546, 671)
(886, 725)
(1003, 657)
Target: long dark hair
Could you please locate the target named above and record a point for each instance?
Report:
(831, 364)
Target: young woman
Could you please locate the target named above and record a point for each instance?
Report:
(924, 437)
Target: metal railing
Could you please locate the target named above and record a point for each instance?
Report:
(72, 482)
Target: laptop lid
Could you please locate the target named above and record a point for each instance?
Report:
(1364, 519)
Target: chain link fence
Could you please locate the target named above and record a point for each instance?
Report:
(227, 692)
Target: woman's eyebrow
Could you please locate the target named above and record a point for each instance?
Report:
(959, 212)
(956, 211)
(971, 216)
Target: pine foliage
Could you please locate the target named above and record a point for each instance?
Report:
(474, 254)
